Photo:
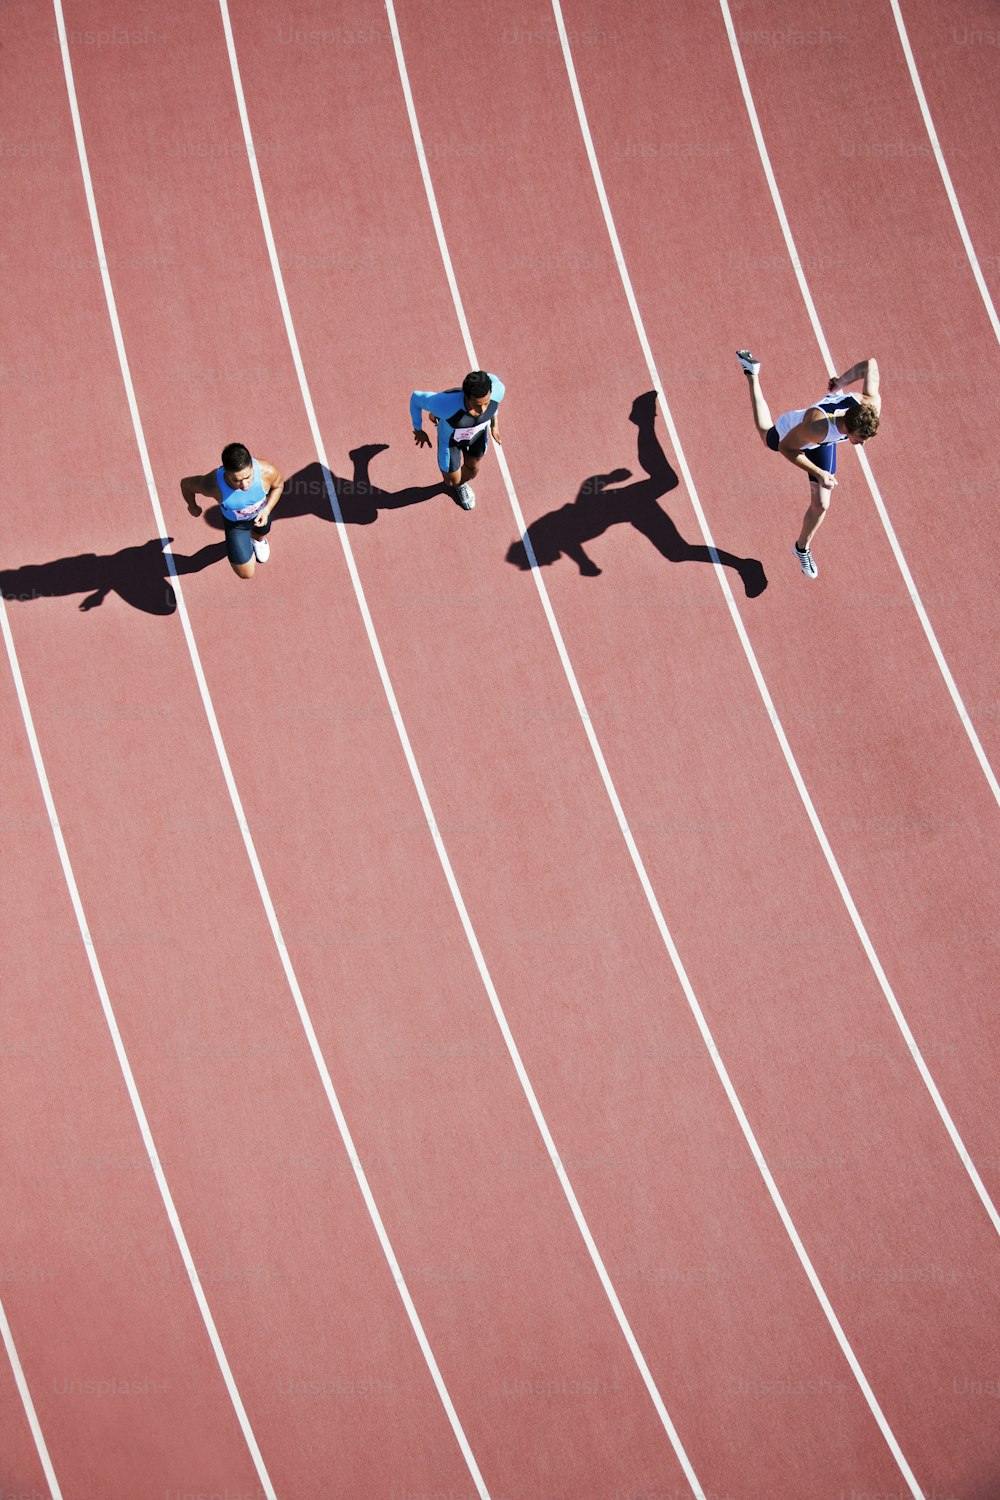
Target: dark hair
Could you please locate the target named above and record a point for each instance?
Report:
(235, 457)
(476, 384)
(862, 419)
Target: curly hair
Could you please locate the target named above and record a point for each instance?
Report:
(863, 420)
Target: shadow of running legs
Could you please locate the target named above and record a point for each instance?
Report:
(360, 501)
(138, 575)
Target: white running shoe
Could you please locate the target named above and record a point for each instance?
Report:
(261, 548)
(805, 558)
(748, 362)
(465, 497)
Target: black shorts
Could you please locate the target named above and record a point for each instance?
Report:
(458, 452)
(824, 457)
(239, 538)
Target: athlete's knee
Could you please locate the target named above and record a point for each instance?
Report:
(821, 499)
(453, 478)
(244, 570)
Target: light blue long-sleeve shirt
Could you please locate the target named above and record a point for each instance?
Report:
(450, 404)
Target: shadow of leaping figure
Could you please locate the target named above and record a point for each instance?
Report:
(563, 532)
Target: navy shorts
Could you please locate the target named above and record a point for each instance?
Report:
(458, 452)
(239, 538)
(824, 457)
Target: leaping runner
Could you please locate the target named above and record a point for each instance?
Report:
(808, 437)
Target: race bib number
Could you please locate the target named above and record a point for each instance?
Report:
(247, 512)
(467, 434)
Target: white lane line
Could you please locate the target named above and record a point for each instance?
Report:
(123, 1061)
(8, 1338)
(411, 761)
(785, 747)
(610, 788)
(758, 675)
(109, 1014)
(859, 927)
(911, 587)
(943, 169)
(244, 826)
(599, 757)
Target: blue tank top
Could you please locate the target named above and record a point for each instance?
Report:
(240, 505)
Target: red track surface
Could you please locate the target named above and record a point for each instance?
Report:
(129, 1396)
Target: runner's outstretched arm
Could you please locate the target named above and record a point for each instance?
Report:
(865, 370)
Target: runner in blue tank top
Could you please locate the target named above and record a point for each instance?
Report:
(808, 438)
(247, 490)
(464, 419)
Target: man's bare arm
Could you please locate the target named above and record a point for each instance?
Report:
(275, 484)
(865, 370)
(198, 484)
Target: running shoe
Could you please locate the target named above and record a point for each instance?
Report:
(465, 497)
(748, 362)
(805, 558)
(261, 548)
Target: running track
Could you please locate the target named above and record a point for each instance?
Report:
(315, 1068)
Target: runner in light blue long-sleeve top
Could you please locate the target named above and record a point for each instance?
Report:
(465, 416)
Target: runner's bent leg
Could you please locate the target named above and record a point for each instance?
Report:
(819, 504)
(761, 411)
(240, 549)
(469, 470)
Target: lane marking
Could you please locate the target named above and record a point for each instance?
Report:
(610, 788)
(8, 1337)
(772, 714)
(106, 1005)
(911, 587)
(265, 897)
(407, 748)
(588, 726)
(943, 169)
(122, 1055)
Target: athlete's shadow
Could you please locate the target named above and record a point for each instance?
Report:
(360, 501)
(138, 575)
(563, 532)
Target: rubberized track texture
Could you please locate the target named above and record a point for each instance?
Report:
(498, 1004)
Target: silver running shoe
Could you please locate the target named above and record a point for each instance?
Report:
(465, 497)
(805, 558)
